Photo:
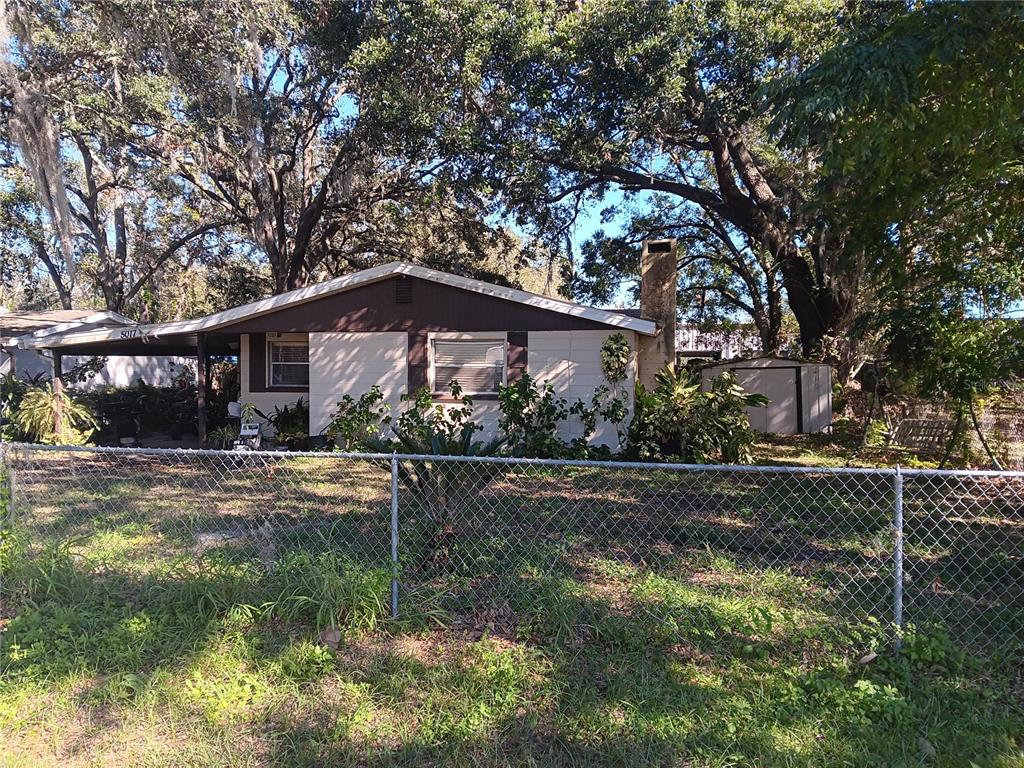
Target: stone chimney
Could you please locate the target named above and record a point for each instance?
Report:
(658, 277)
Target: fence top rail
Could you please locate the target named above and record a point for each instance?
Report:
(515, 461)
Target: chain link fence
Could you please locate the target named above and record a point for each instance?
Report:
(531, 546)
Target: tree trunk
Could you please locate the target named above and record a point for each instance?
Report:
(823, 313)
(63, 294)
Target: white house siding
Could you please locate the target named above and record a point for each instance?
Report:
(350, 364)
(571, 362)
(119, 371)
(265, 402)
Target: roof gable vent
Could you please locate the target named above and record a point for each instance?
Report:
(403, 290)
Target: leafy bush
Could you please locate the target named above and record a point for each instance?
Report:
(144, 409)
(677, 421)
(440, 488)
(530, 415)
(610, 402)
(35, 419)
(441, 429)
(225, 436)
(355, 422)
(12, 389)
(291, 424)
(615, 352)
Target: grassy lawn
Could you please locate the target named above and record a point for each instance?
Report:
(553, 621)
(842, 448)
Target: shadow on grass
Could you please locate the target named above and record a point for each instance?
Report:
(597, 666)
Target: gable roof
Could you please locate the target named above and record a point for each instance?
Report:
(48, 322)
(337, 285)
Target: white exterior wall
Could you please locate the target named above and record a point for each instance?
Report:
(264, 401)
(571, 362)
(120, 370)
(350, 364)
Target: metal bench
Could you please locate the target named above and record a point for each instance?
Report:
(922, 436)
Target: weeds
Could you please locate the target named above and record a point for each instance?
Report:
(630, 668)
(692, 658)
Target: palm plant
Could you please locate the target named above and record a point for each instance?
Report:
(36, 417)
(441, 488)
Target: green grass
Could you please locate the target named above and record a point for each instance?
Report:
(561, 619)
(215, 663)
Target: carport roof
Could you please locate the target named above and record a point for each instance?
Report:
(49, 322)
(181, 334)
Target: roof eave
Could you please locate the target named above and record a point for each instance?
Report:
(254, 309)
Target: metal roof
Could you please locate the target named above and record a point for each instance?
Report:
(48, 322)
(218, 320)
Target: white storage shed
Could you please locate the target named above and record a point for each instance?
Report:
(800, 394)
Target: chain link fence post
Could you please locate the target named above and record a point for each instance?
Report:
(394, 536)
(897, 558)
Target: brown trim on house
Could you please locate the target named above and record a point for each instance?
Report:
(517, 355)
(258, 367)
(434, 307)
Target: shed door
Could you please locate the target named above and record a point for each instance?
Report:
(779, 386)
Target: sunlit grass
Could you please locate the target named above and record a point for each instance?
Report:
(633, 669)
(249, 624)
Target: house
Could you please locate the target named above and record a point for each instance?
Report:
(31, 363)
(696, 343)
(401, 327)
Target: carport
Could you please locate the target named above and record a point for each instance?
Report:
(160, 339)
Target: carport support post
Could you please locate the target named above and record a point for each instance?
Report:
(201, 386)
(394, 536)
(58, 394)
(897, 557)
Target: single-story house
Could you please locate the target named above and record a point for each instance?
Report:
(402, 326)
(32, 363)
(694, 342)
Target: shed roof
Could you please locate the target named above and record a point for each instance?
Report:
(763, 361)
(228, 317)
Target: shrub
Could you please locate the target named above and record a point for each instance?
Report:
(12, 390)
(615, 352)
(36, 416)
(224, 437)
(530, 415)
(143, 409)
(440, 488)
(355, 422)
(291, 424)
(609, 401)
(677, 421)
(441, 429)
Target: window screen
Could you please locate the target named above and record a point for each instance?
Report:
(289, 364)
(478, 366)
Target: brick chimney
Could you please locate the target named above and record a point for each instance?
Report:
(658, 277)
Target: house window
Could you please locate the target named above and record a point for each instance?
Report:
(289, 363)
(478, 366)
